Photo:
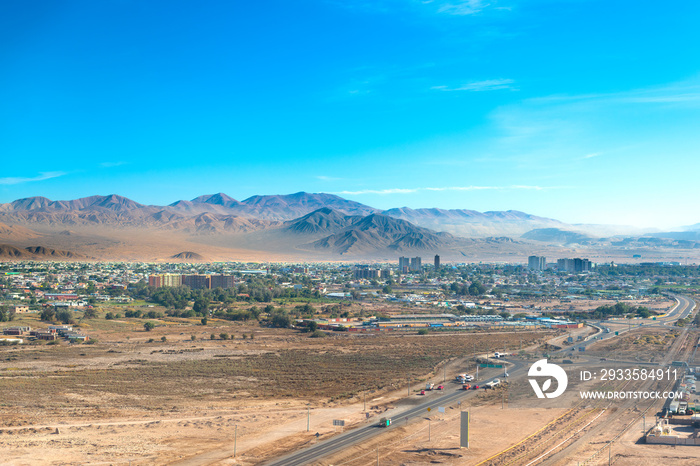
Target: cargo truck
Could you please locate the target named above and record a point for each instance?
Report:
(673, 407)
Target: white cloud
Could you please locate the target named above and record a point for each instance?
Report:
(112, 164)
(591, 155)
(448, 188)
(19, 179)
(479, 86)
(380, 191)
(463, 7)
(327, 178)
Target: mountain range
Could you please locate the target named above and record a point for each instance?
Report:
(315, 226)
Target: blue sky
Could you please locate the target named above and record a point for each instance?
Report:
(585, 111)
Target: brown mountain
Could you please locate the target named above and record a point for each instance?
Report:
(471, 223)
(16, 233)
(188, 255)
(324, 220)
(378, 232)
(37, 253)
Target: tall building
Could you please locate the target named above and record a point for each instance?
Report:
(364, 271)
(155, 280)
(164, 279)
(404, 264)
(536, 262)
(416, 264)
(437, 262)
(171, 279)
(222, 281)
(574, 265)
(197, 282)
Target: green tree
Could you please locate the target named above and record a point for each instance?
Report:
(48, 314)
(148, 326)
(201, 306)
(423, 331)
(65, 316)
(224, 336)
(90, 313)
(193, 338)
(204, 321)
(6, 314)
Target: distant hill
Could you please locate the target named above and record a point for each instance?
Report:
(556, 235)
(37, 253)
(378, 232)
(188, 255)
(323, 220)
(16, 233)
(471, 223)
(300, 225)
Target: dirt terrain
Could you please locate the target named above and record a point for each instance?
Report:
(132, 397)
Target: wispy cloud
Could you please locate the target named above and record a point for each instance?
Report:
(448, 188)
(463, 7)
(451, 7)
(112, 164)
(591, 155)
(682, 92)
(20, 179)
(480, 86)
(327, 178)
(381, 191)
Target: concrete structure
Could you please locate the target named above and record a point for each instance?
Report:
(416, 265)
(364, 271)
(404, 264)
(165, 279)
(437, 262)
(222, 281)
(574, 265)
(537, 263)
(196, 282)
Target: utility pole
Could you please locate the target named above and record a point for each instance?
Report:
(408, 387)
(364, 406)
(428, 429)
(308, 418)
(235, 439)
(444, 373)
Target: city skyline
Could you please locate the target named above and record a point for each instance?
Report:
(568, 110)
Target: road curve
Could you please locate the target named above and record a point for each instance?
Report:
(351, 437)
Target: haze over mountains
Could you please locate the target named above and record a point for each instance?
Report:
(295, 226)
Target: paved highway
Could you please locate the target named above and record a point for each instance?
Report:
(340, 442)
(681, 310)
(351, 437)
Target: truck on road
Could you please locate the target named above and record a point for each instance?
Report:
(493, 384)
(673, 407)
